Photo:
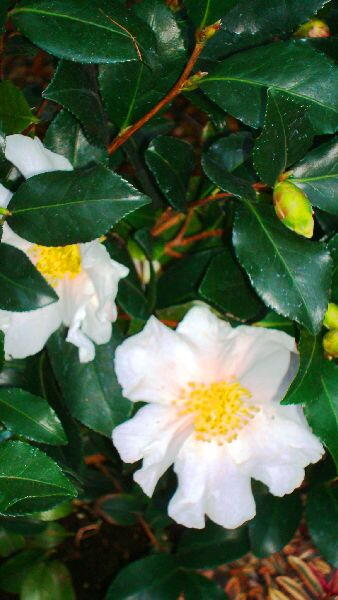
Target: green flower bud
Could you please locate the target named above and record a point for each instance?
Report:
(293, 208)
(313, 29)
(331, 316)
(330, 343)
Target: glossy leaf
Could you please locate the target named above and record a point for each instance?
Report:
(317, 175)
(307, 383)
(253, 22)
(130, 89)
(223, 158)
(65, 136)
(90, 390)
(180, 282)
(30, 480)
(75, 87)
(290, 274)
(61, 208)
(14, 570)
(90, 31)
(22, 287)
(30, 416)
(286, 135)
(333, 247)
(226, 286)
(154, 578)
(122, 509)
(207, 12)
(212, 546)
(197, 587)
(321, 409)
(47, 580)
(322, 519)
(171, 161)
(15, 114)
(286, 66)
(275, 522)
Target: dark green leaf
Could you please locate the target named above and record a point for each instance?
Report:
(53, 535)
(15, 114)
(207, 12)
(61, 208)
(90, 31)
(322, 519)
(151, 578)
(30, 480)
(286, 135)
(180, 282)
(333, 247)
(3, 14)
(122, 509)
(226, 286)
(197, 587)
(252, 22)
(130, 89)
(288, 66)
(90, 390)
(274, 321)
(307, 384)
(65, 136)
(322, 409)
(30, 416)
(223, 158)
(22, 287)
(212, 546)
(290, 274)
(75, 87)
(47, 580)
(14, 570)
(10, 542)
(317, 175)
(171, 161)
(275, 522)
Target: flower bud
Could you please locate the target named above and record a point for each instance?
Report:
(293, 208)
(313, 29)
(330, 343)
(331, 316)
(205, 34)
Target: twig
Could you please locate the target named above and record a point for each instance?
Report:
(127, 133)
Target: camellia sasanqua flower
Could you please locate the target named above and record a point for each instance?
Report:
(214, 412)
(83, 275)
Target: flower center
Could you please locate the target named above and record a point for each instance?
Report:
(219, 409)
(54, 263)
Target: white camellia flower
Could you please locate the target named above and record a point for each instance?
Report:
(83, 275)
(214, 412)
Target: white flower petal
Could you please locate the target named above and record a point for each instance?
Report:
(9, 237)
(5, 196)
(154, 364)
(26, 333)
(31, 157)
(209, 483)
(155, 434)
(212, 340)
(105, 275)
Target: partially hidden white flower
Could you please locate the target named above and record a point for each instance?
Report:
(83, 275)
(214, 412)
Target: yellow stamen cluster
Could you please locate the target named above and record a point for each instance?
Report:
(219, 409)
(54, 263)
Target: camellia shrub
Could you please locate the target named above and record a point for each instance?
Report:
(168, 292)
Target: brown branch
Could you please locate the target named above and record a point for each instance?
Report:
(127, 133)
